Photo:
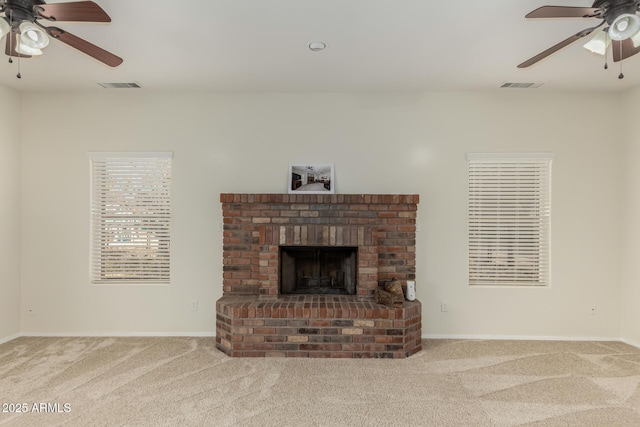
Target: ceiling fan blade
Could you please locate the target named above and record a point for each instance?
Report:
(566, 12)
(10, 46)
(86, 11)
(85, 47)
(557, 47)
(628, 49)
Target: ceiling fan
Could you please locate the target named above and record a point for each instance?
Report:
(621, 33)
(26, 36)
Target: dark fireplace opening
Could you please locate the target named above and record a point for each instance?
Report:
(318, 270)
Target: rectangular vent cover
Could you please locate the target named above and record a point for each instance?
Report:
(133, 85)
(521, 85)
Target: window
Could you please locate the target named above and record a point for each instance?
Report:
(509, 219)
(130, 217)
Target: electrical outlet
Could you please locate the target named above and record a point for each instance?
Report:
(194, 305)
(444, 307)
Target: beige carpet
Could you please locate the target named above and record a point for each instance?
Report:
(186, 381)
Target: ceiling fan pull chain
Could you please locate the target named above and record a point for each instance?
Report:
(621, 76)
(10, 35)
(14, 38)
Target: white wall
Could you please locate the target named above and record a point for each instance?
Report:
(9, 214)
(630, 252)
(379, 143)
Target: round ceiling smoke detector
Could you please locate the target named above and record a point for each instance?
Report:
(317, 46)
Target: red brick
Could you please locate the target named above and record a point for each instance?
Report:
(250, 260)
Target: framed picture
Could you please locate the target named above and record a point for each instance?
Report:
(311, 179)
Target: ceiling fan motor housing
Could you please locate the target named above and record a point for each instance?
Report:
(21, 10)
(615, 8)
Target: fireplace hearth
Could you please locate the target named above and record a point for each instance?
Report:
(300, 272)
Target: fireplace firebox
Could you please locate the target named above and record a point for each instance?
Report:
(326, 270)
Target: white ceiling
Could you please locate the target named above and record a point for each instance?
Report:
(372, 45)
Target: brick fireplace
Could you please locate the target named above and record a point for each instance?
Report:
(255, 318)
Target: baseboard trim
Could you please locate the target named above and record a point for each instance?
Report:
(118, 334)
(629, 342)
(9, 338)
(518, 338)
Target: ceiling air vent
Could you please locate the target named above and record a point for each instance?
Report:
(133, 85)
(521, 85)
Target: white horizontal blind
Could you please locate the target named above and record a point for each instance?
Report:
(130, 217)
(509, 219)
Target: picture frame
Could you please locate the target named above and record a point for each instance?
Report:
(311, 178)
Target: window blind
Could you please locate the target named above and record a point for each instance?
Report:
(509, 219)
(130, 217)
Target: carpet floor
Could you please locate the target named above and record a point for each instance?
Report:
(186, 381)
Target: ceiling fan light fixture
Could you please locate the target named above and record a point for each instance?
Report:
(624, 26)
(33, 36)
(636, 39)
(599, 43)
(24, 49)
(4, 27)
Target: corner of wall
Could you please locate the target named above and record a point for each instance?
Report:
(10, 186)
(630, 212)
